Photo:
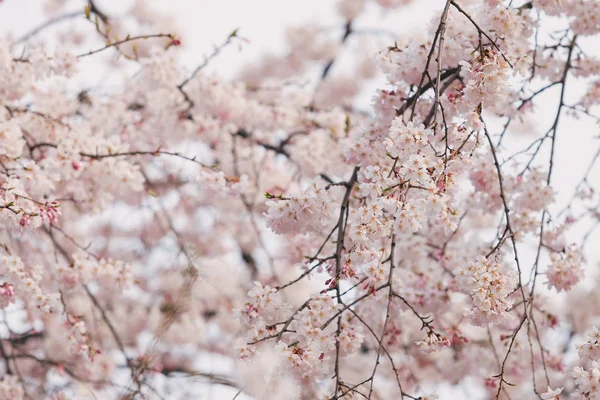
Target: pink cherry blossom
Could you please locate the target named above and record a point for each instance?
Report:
(367, 211)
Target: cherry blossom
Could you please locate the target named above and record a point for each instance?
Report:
(172, 230)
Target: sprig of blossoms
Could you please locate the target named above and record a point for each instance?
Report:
(433, 342)
(587, 375)
(27, 281)
(218, 184)
(406, 138)
(79, 339)
(310, 211)
(566, 270)
(489, 287)
(264, 310)
(89, 268)
(487, 80)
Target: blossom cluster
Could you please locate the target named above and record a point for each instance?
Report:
(302, 213)
(587, 375)
(565, 271)
(490, 288)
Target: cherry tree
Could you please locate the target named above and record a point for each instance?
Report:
(182, 235)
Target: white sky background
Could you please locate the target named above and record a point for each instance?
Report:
(204, 23)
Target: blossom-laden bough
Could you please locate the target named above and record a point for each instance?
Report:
(264, 238)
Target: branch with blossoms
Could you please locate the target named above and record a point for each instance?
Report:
(264, 222)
